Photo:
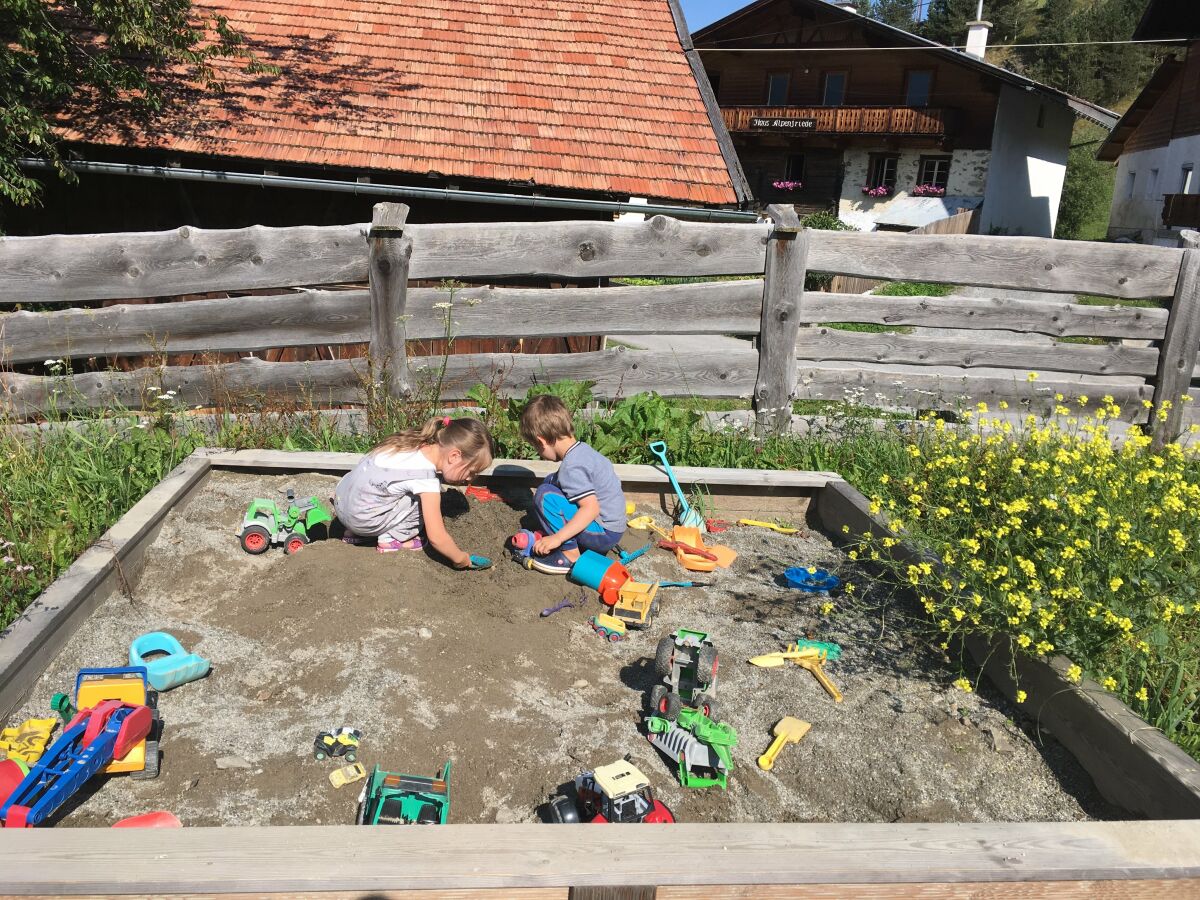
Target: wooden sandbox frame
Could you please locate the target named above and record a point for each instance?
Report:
(1133, 765)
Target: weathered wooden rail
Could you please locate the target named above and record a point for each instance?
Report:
(962, 364)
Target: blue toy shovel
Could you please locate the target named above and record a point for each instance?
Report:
(688, 517)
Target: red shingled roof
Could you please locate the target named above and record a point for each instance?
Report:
(574, 96)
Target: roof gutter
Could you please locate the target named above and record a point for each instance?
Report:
(394, 190)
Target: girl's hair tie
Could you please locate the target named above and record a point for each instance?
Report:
(445, 421)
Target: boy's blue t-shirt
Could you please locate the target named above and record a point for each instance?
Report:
(586, 473)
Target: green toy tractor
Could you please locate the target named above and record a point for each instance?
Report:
(391, 799)
(265, 523)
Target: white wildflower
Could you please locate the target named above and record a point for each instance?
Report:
(152, 389)
(7, 560)
(443, 305)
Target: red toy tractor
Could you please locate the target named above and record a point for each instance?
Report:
(618, 792)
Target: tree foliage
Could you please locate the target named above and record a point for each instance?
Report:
(1102, 74)
(1012, 20)
(1087, 188)
(897, 13)
(95, 54)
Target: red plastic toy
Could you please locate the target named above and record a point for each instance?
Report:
(481, 493)
(618, 792)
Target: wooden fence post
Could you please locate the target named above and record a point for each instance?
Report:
(1177, 355)
(783, 294)
(390, 252)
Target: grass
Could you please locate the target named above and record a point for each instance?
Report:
(1125, 607)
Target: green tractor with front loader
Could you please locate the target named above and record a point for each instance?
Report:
(265, 524)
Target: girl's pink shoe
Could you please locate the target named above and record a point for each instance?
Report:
(392, 546)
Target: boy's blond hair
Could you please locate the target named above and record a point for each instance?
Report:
(546, 417)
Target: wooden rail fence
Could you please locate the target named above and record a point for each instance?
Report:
(890, 369)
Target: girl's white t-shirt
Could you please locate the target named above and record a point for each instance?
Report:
(412, 463)
(380, 494)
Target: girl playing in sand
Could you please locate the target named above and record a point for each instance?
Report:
(393, 493)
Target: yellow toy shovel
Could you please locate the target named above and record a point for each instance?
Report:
(771, 525)
(645, 523)
(788, 730)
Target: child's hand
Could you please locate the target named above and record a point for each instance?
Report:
(547, 544)
(479, 562)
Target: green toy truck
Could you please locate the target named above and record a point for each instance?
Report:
(391, 799)
(687, 662)
(701, 747)
(265, 524)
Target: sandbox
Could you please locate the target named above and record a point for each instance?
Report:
(435, 664)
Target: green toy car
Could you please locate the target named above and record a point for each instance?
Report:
(391, 799)
(265, 524)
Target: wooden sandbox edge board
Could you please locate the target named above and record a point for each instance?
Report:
(1134, 765)
(110, 564)
(448, 857)
(524, 469)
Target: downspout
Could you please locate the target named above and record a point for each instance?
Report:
(394, 190)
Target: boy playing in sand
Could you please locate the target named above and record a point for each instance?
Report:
(579, 506)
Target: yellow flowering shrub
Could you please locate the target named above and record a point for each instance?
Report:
(1064, 543)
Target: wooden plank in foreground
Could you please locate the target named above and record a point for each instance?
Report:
(1157, 889)
(353, 858)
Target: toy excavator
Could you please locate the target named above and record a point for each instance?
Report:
(93, 739)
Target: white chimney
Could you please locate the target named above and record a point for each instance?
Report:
(977, 35)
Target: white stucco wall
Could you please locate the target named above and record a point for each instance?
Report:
(968, 178)
(1028, 164)
(1137, 214)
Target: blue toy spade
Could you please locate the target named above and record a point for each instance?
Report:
(688, 517)
(165, 672)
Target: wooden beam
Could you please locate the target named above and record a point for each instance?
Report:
(312, 317)
(967, 349)
(658, 246)
(70, 268)
(74, 268)
(388, 262)
(353, 858)
(944, 387)
(1033, 264)
(613, 373)
(783, 295)
(1001, 314)
(1156, 889)
(1177, 358)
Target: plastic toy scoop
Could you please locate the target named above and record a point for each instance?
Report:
(479, 562)
(165, 672)
(788, 730)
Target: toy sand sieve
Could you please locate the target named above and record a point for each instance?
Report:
(816, 581)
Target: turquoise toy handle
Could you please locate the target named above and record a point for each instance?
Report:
(659, 449)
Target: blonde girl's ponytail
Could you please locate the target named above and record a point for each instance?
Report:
(467, 435)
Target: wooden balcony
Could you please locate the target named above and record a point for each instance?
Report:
(918, 120)
(1181, 210)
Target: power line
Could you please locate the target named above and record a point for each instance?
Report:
(929, 47)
